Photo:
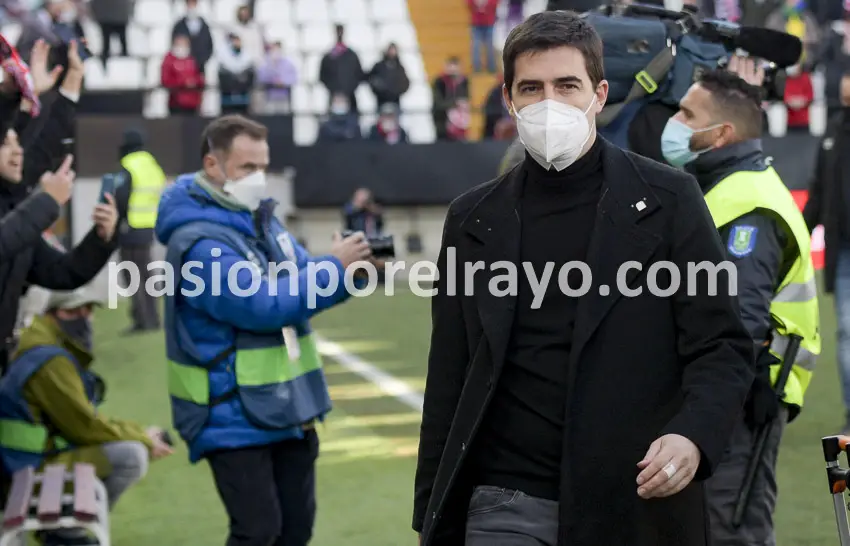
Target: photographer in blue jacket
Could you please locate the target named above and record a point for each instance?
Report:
(245, 376)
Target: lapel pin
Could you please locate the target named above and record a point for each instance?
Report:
(640, 205)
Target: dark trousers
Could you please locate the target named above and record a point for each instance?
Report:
(723, 487)
(143, 311)
(108, 30)
(269, 492)
(179, 110)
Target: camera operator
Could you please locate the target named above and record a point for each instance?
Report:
(716, 136)
(25, 257)
(228, 351)
(363, 214)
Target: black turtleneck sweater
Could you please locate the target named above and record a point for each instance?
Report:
(520, 441)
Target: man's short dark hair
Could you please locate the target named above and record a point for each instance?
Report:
(551, 29)
(221, 133)
(736, 101)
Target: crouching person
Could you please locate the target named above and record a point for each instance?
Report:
(48, 407)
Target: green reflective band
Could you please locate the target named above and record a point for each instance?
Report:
(272, 365)
(254, 368)
(646, 81)
(60, 443)
(22, 436)
(189, 383)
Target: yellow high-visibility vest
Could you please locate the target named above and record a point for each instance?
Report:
(148, 180)
(794, 308)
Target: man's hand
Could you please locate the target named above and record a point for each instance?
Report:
(797, 103)
(747, 69)
(160, 448)
(353, 248)
(105, 218)
(43, 79)
(60, 185)
(668, 467)
(75, 62)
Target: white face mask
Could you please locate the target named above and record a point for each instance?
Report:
(249, 191)
(69, 15)
(554, 133)
(180, 52)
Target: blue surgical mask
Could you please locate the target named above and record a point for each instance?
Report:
(676, 143)
(78, 329)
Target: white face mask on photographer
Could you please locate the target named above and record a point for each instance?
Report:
(554, 133)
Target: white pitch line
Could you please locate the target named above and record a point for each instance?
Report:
(396, 388)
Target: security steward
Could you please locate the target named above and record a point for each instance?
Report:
(139, 186)
(715, 136)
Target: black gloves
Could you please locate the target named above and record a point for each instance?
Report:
(762, 405)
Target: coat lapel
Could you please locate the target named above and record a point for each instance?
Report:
(493, 229)
(617, 238)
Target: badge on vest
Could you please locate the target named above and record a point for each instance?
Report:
(286, 246)
(742, 240)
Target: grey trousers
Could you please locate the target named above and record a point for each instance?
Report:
(723, 487)
(504, 517)
(143, 309)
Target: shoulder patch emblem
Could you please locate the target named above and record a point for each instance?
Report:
(828, 143)
(742, 240)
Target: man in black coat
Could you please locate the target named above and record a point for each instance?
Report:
(829, 205)
(584, 408)
(26, 258)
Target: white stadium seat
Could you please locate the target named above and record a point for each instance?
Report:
(211, 73)
(319, 99)
(366, 101)
(305, 129)
(312, 66)
(301, 98)
(94, 38)
(369, 57)
(349, 11)
(95, 76)
(312, 11)
(414, 66)
(366, 123)
(137, 41)
(154, 13)
(211, 105)
(418, 98)
(317, 38)
(156, 104)
(389, 11)
(225, 11)
(283, 32)
(419, 127)
(273, 11)
(402, 34)
(124, 73)
(360, 36)
(153, 79)
(159, 41)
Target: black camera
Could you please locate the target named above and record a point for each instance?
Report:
(382, 247)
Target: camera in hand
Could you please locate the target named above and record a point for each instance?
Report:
(382, 247)
(166, 438)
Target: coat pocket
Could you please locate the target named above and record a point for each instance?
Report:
(487, 499)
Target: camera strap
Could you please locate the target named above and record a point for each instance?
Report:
(646, 83)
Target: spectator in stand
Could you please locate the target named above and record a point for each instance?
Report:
(235, 76)
(799, 95)
(796, 19)
(196, 28)
(388, 78)
(836, 63)
(363, 214)
(250, 32)
(483, 14)
(277, 75)
(458, 121)
(388, 129)
(113, 16)
(341, 71)
(183, 78)
(515, 13)
(450, 86)
(494, 109)
(342, 124)
(55, 19)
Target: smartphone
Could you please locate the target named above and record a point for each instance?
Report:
(107, 185)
